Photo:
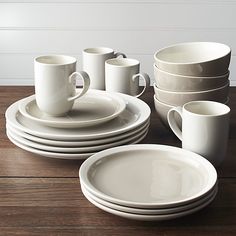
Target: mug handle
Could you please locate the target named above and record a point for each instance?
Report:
(146, 79)
(117, 54)
(172, 122)
(86, 82)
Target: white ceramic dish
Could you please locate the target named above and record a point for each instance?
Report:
(39, 152)
(180, 98)
(60, 155)
(157, 217)
(93, 148)
(160, 176)
(86, 143)
(94, 108)
(194, 59)
(162, 111)
(175, 83)
(153, 211)
(136, 113)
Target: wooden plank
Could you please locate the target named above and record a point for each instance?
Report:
(58, 203)
(131, 42)
(101, 16)
(200, 2)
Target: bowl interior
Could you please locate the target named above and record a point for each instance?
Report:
(194, 52)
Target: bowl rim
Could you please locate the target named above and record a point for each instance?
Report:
(189, 76)
(191, 63)
(189, 93)
(172, 106)
(162, 103)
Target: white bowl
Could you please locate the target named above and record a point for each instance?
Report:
(174, 82)
(180, 98)
(162, 110)
(194, 58)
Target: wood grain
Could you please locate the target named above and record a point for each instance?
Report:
(42, 196)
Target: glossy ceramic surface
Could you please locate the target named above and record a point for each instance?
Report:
(94, 64)
(94, 108)
(205, 128)
(152, 211)
(180, 98)
(122, 75)
(55, 83)
(60, 155)
(143, 217)
(159, 175)
(78, 149)
(174, 82)
(162, 111)
(75, 143)
(136, 113)
(194, 59)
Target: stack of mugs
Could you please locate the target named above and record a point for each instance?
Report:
(188, 72)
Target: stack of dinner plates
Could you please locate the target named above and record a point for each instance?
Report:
(98, 120)
(148, 181)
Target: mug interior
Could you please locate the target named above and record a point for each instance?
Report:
(207, 108)
(120, 62)
(98, 50)
(55, 60)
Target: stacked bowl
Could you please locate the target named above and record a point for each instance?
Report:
(190, 71)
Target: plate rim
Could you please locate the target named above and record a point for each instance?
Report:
(77, 143)
(150, 211)
(73, 124)
(144, 109)
(94, 148)
(156, 217)
(84, 168)
(56, 155)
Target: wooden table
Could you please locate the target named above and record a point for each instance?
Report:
(42, 196)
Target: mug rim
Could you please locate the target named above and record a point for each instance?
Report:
(98, 51)
(124, 62)
(68, 59)
(220, 112)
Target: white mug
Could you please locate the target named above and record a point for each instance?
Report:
(94, 64)
(55, 83)
(122, 75)
(205, 127)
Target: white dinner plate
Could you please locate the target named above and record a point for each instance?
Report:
(60, 155)
(153, 211)
(94, 148)
(148, 176)
(157, 217)
(74, 143)
(136, 113)
(94, 108)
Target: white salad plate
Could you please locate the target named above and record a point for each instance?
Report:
(148, 176)
(74, 143)
(94, 148)
(152, 211)
(94, 108)
(61, 155)
(135, 114)
(154, 217)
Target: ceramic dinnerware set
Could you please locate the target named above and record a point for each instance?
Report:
(141, 181)
(60, 121)
(188, 72)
